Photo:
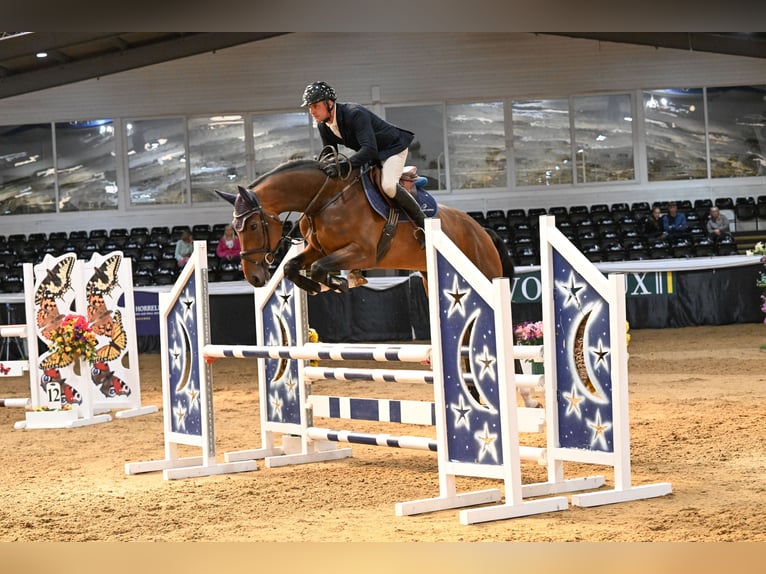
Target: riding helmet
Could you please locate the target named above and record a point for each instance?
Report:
(317, 92)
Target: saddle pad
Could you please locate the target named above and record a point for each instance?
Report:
(381, 207)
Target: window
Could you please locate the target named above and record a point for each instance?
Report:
(278, 138)
(27, 178)
(476, 144)
(737, 131)
(675, 134)
(604, 138)
(542, 145)
(156, 161)
(426, 151)
(86, 165)
(217, 156)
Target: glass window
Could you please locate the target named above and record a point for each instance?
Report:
(27, 178)
(426, 151)
(86, 165)
(542, 144)
(156, 161)
(604, 138)
(476, 144)
(217, 156)
(675, 134)
(278, 138)
(737, 131)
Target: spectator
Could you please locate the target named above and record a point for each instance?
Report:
(228, 246)
(718, 225)
(653, 224)
(674, 222)
(184, 248)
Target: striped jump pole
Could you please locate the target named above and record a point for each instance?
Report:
(400, 376)
(320, 351)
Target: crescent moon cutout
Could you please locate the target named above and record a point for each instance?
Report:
(581, 367)
(186, 370)
(285, 338)
(468, 380)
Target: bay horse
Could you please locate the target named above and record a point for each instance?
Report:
(341, 229)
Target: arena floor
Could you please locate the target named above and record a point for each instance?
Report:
(697, 402)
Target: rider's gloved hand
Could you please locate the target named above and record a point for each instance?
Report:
(330, 169)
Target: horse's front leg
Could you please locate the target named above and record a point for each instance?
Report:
(348, 257)
(294, 267)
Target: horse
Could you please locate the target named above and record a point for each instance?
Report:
(341, 230)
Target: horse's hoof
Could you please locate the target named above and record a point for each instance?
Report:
(355, 279)
(338, 284)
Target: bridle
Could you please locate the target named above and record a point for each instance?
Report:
(238, 224)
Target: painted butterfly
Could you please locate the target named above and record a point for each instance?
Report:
(57, 280)
(117, 343)
(99, 317)
(48, 317)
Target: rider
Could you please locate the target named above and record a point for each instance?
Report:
(372, 138)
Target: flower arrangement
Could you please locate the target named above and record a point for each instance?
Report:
(73, 339)
(529, 333)
(760, 249)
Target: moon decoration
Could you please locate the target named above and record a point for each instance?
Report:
(284, 333)
(187, 346)
(581, 366)
(469, 382)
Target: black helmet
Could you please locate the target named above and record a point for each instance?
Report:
(317, 92)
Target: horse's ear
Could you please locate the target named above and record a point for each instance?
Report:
(230, 197)
(249, 198)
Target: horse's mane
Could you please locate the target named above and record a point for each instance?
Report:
(290, 165)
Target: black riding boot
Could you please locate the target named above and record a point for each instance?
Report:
(404, 199)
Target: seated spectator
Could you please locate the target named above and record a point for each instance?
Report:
(718, 225)
(653, 224)
(674, 222)
(184, 248)
(228, 246)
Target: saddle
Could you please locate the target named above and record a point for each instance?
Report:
(408, 179)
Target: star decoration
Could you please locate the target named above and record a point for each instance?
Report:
(456, 296)
(290, 385)
(601, 354)
(285, 296)
(276, 405)
(599, 429)
(187, 303)
(180, 414)
(193, 397)
(572, 292)
(487, 442)
(461, 411)
(487, 363)
(574, 401)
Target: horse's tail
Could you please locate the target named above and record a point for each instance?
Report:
(502, 250)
